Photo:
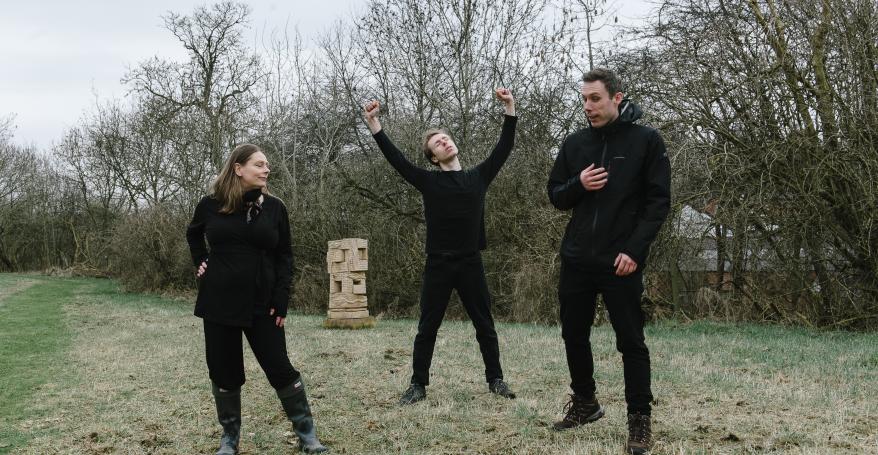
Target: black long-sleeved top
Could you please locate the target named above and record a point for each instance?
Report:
(626, 214)
(454, 201)
(250, 266)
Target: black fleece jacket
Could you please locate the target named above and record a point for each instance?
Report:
(250, 265)
(626, 214)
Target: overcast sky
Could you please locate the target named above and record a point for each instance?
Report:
(58, 58)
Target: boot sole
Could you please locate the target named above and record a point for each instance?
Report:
(597, 415)
(406, 402)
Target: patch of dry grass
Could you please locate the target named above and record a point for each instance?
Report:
(134, 381)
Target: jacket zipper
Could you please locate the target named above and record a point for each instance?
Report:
(594, 222)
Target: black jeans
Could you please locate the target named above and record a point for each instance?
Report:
(577, 291)
(225, 352)
(442, 273)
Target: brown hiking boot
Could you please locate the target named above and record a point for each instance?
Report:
(639, 434)
(579, 411)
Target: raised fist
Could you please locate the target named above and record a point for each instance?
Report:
(504, 95)
(371, 109)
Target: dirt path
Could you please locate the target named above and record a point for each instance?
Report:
(8, 289)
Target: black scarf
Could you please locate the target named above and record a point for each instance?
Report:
(251, 202)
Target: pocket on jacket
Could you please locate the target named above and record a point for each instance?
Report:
(616, 163)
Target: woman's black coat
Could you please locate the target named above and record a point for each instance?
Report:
(249, 265)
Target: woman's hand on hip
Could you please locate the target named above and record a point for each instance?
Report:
(201, 269)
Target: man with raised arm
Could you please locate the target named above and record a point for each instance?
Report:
(454, 206)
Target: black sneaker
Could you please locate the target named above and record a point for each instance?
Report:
(579, 411)
(415, 393)
(639, 434)
(500, 388)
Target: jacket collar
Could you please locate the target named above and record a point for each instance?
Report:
(629, 112)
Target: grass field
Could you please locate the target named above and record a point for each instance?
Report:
(87, 369)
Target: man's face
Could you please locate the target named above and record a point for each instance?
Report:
(443, 148)
(601, 108)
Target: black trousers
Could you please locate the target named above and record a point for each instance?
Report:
(225, 353)
(577, 291)
(466, 274)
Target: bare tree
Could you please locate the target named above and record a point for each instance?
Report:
(583, 20)
(783, 151)
(213, 87)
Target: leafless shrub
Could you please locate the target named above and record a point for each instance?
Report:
(148, 252)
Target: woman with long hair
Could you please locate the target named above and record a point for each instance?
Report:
(245, 270)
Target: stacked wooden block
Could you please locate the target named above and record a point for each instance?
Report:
(347, 261)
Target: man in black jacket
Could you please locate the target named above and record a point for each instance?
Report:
(615, 175)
